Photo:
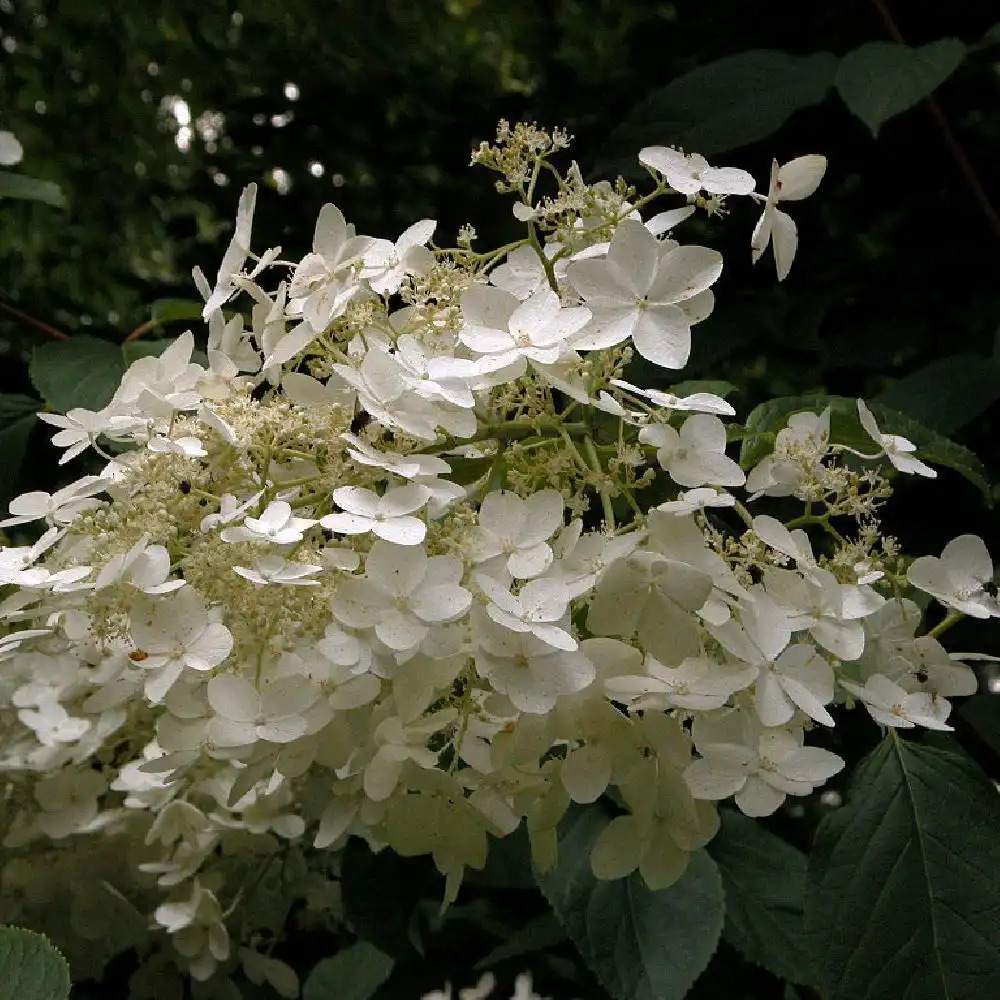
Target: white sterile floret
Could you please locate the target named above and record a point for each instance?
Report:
(159, 386)
(244, 715)
(276, 525)
(960, 579)
(694, 500)
(647, 290)
(146, 567)
(197, 928)
(173, 634)
(529, 670)
(69, 801)
(389, 516)
(891, 705)
(799, 449)
(694, 402)
(895, 448)
(506, 331)
(692, 173)
(60, 507)
(759, 768)
(521, 274)
(517, 530)
(696, 683)
(386, 264)
(536, 608)
(697, 454)
(187, 445)
(404, 466)
(797, 179)
(230, 509)
(402, 594)
(278, 570)
(81, 428)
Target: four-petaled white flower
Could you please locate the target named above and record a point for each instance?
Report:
(891, 705)
(895, 447)
(797, 179)
(244, 715)
(276, 525)
(689, 174)
(697, 454)
(960, 579)
(518, 530)
(647, 290)
(277, 569)
(389, 516)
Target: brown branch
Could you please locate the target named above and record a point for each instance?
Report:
(36, 323)
(963, 162)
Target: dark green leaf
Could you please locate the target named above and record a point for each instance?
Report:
(992, 37)
(717, 386)
(14, 437)
(764, 878)
(174, 310)
(641, 945)
(768, 418)
(726, 104)
(30, 189)
(508, 865)
(353, 974)
(903, 901)
(82, 371)
(30, 968)
(536, 935)
(13, 406)
(947, 394)
(881, 79)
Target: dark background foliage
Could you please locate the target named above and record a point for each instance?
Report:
(375, 104)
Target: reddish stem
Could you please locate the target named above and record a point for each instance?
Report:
(36, 323)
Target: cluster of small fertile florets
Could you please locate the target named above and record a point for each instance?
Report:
(335, 580)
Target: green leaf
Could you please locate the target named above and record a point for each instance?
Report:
(536, 935)
(175, 310)
(768, 418)
(353, 974)
(948, 394)
(30, 967)
(641, 945)
(82, 371)
(992, 37)
(764, 878)
(903, 898)
(881, 79)
(717, 386)
(14, 406)
(732, 102)
(14, 438)
(30, 189)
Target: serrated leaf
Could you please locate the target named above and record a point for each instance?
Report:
(903, 900)
(732, 102)
(764, 878)
(353, 974)
(23, 188)
(30, 967)
(879, 80)
(82, 371)
(641, 945)
(947, 394)
(768, 418)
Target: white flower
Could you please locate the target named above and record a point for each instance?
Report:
(890, 705)
(175, 633)
(402, 593)
(387, 264)
(60, 507)
(696, 455)
(244, 715)
(68, 801)
(521, 274)
(187, 445)
(389, 516)
(276, 524)
(519, 530)
(197, 928)
(697, 499)
(797, 179)
(81, 428)
(146, 567)
(159, 386)
(11, 151)
(277, 569)
(536, 608)
(497, 325)
(229, 510)
(758, 768)
(234, 257)
(799, 449)
(960, 578)
(646, 290)
(895, 448)
(695, 402)
(692, 173)
(697, 683)
(530, 671)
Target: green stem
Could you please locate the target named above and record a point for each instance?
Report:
(595, 463)
(952, 618)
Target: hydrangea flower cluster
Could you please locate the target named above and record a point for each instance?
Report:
(404, 556)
